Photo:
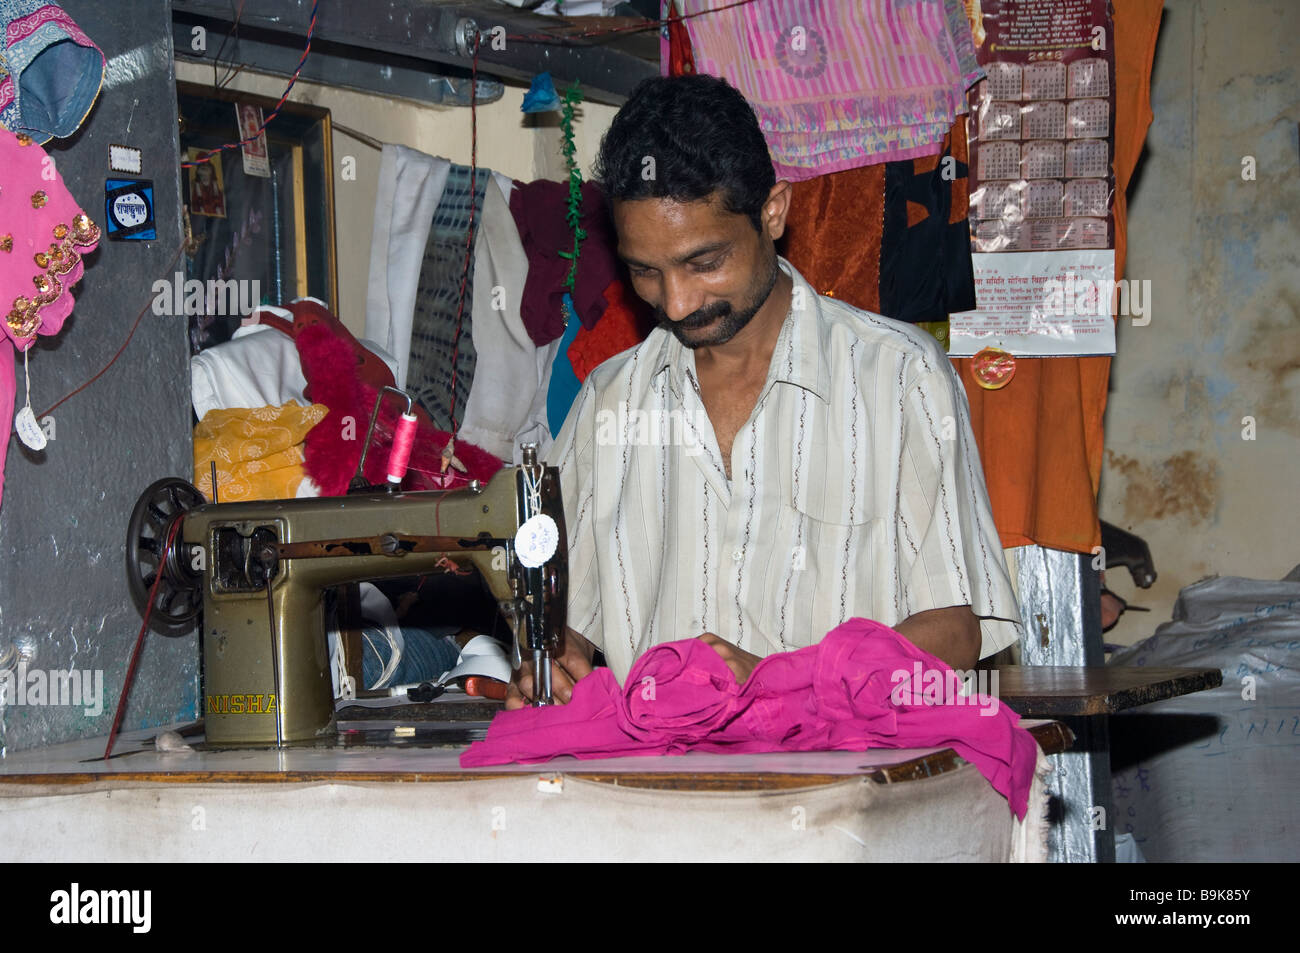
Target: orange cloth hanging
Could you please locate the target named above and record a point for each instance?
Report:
(1041, 437)
(625, 324)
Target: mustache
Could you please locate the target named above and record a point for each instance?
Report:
(697, 319)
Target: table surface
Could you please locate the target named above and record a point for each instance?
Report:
(414, 759)
(1053, 691)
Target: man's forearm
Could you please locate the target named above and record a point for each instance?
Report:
(953, 634)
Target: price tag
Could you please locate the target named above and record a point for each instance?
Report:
(29, 431)
(537, 540)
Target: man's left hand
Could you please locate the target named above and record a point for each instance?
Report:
(738, 660)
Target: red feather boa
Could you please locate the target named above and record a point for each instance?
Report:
(333, 446)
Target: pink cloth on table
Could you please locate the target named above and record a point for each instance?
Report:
(838, 695)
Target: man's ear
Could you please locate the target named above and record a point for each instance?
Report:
(776, 208)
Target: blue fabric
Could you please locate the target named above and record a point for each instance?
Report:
(541, 96)
(564, 382)
(50, 71)
(426, 655)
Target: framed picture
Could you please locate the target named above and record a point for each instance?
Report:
(207, 193)
(261, 215)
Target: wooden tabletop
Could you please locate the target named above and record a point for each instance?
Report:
(340, 765)
(1052, 691)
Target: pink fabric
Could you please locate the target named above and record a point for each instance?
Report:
(43, 234)
(837, 86)
(850, 692)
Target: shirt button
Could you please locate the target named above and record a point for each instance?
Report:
(738, 555)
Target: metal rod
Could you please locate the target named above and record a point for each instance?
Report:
(275, 666)
(213, 465)
(361, 137)
(390, 544)
(374, 415)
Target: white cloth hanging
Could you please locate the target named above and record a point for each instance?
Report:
(507, 401)
(410, 185)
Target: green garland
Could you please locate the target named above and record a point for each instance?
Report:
(572, 97)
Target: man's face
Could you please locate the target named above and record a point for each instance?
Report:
(704, 270)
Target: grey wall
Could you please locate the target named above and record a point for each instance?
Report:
(1222, 253)
(63, 597)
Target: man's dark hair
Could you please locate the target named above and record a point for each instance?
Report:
(703, 137)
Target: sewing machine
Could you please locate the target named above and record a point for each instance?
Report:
(257, 572)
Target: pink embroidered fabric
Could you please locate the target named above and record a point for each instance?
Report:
(863, 686)
(43, 234)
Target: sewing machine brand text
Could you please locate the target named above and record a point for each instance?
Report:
(241, 704)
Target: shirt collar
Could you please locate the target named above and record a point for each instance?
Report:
(799, 357)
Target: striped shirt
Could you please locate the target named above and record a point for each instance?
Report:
(856, 490)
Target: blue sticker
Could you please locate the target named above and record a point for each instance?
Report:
(128, 208)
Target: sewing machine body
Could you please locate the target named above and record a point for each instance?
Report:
(266, 658)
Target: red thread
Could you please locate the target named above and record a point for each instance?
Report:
(139, 641)
(399, 457)
(469, 234)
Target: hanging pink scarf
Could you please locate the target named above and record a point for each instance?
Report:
(855, 690)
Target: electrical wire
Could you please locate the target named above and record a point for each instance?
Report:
(469, 234)
(204, 157)
(233, 33)
(140, 317)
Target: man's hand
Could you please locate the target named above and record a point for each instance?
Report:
(567, 669)
(738, 660)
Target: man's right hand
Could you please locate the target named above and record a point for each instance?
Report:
(572, 665)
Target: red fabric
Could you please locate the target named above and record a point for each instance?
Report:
(333, 448)
(833, 233)
(625, 323)
(681, 59)
(850, 692)
(306, 314)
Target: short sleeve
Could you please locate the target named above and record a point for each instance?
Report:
(574, 454)
(949, 547)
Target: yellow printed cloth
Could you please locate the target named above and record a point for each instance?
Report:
(259, 451)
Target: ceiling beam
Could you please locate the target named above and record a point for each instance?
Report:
(418, 33)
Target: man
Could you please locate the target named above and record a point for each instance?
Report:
(768, 462)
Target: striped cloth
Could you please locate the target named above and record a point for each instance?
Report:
(428, 378)
(837, 85)
(856, 491)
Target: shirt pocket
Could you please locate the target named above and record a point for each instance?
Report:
(832, 482)
(829, 535)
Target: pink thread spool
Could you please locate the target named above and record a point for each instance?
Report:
(399, 457)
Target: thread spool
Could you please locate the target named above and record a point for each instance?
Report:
(399, 457)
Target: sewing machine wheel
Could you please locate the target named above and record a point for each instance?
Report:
(179, 599)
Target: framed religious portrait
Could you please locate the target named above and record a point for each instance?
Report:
(207, 192)
(260, 222)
